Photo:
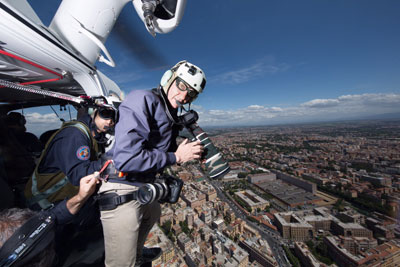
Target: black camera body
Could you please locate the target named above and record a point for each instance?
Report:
(175, 187)
(216, 165)
(166, 189)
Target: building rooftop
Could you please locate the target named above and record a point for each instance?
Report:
(351, 225)
(251, 199)
(336, 242)
(289, 194)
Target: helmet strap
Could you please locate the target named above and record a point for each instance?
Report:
(182, 107)
(94, 125)
(169, 110)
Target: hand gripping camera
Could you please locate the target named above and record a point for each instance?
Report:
(216, 166)
(165, 189)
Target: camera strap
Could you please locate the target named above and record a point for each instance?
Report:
(110, 201)
(28, 240)
(171, 113)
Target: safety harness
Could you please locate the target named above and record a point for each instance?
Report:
(55, 186)
(111, 201)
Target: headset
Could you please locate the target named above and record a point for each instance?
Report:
(28, 240)
(166, 77)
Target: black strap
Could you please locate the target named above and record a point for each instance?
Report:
(171, 112)
(111, 201)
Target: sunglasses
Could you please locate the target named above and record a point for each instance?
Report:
(107, 114)
(184, 87)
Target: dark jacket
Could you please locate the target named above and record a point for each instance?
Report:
(65, 154)
(69, 156)
(62, 214)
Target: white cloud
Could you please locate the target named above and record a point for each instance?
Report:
(368, 99)
(41, 118)
(321, 103)
(378, 100)
(342, 107)
(255, 107)
(276, 109)
(37, 123)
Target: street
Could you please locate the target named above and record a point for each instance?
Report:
(272, 237)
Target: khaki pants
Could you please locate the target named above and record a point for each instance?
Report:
(126, 227)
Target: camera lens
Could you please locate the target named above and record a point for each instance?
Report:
(162, 190)
(146, 194)
(216, 166)
(149, 193)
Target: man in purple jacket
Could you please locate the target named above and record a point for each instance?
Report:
(145, 143)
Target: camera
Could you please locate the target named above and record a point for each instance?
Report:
(165, 189)
(216, 165)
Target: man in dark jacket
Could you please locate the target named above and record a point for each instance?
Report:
(145, 143)
(70, 154)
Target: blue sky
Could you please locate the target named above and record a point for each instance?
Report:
(273, 61)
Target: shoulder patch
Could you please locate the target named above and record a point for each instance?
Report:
(83, 153)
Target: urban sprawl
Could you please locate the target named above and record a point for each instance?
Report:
(302, 195)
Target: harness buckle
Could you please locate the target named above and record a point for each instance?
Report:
(117, 200)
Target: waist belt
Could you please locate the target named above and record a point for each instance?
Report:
(111, 201)
(140, 178)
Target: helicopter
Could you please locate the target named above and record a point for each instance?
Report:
(56, 65)
(53, 65)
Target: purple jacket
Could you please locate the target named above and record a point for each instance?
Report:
(145, 138)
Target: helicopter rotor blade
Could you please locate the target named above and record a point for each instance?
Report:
(137, 43)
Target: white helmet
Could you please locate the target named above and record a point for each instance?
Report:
(114, 100)
(189, 73)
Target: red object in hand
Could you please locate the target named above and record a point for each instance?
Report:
(102, 174)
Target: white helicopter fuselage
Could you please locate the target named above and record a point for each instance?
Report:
(61, 57)
(27, 38)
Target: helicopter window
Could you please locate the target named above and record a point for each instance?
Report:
(20, 145)
(42, 119)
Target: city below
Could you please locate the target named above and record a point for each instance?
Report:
(303, 195)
